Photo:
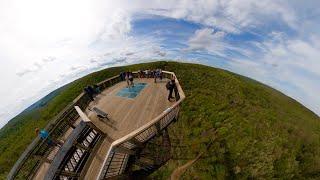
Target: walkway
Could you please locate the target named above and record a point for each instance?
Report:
(126, 115)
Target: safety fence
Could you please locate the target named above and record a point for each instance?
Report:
(116, 160)
(39, 151)
(70, 161)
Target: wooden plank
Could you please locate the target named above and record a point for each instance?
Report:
(127, 114)
(63, 151)
(83, 116)
(173, 107)
(130, 116)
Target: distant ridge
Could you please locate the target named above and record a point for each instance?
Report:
(43, 101)
(254, 131)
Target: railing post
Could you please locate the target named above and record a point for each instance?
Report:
(124, 150)
(70, 124)
(136, 142)
(69, 174)
(43, 159)
(176, 117)
(96, 128)
(80, 146)
(158, 127)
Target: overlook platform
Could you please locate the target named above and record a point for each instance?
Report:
(126, 114)
(100, 148)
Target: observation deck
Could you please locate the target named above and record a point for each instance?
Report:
(104, 138)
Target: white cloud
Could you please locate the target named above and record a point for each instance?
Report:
(37, 66)
(42, 40)
(214, 42)
(206, 39)
(232, 16)
(48, 59)
(118, 28)
(290, 65)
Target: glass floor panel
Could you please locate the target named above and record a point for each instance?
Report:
(131, 92)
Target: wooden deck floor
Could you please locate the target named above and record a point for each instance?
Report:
(125, 115)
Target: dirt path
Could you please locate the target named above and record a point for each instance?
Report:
(176, 174)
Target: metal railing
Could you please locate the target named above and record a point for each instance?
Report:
(126, 146)
(115, 164)
(39, 150)
(70, 161)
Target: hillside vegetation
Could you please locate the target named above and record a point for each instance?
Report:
(243, 128)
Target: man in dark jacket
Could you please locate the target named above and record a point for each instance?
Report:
(89, 91)
(171, 85)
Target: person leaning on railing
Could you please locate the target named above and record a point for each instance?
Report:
(171, 85)
(122, 76)
(141, 73)
(90, 92)
(147, 72)
(131, 79)
(160, 74)
(157, 74)
(96, 89)
(44, 135)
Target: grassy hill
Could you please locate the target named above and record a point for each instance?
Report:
(243, 128)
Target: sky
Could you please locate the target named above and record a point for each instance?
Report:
(45, 44)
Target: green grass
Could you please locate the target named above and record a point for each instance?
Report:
(246, 129)
(253, 130)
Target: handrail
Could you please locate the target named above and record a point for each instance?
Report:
(57, 123)
(140, 130)
(76, 143)
(148, 125)
(53, 125)
(35, 144)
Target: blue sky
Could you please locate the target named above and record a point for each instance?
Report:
(44, 46)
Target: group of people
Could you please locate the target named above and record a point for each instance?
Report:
(154, 73)
(157, 75)
(92, 91)
(128, 76)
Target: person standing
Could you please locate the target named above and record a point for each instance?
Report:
(44, 135)
(122, 76)
(89, 92)
(147, 73)
(131, 79)
(96, 89)
(127, 79)
(156, 75)
(171, 85)
(140, 73)
(160, 74)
